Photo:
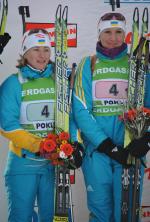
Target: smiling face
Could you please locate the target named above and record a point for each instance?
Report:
(112, 37)
(38, 57)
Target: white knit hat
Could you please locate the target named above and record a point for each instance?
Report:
(33, 40)
(114, 22)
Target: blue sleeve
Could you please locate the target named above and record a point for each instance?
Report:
(147, 91)
(82, 104)
(10, 101)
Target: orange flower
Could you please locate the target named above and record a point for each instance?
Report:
(64, 136)
(145, 110)
(48, 145)
(57, 148)
(52, 136)
(132, 114)
(67, 149)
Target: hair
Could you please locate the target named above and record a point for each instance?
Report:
(22, 61)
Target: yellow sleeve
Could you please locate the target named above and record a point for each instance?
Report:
(23, 139)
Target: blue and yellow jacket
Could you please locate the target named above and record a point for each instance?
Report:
(98, 98)
(11, 100)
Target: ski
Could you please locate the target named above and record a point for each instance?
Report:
(138, 67)
(62, 175)
(59, 119)
(4, 17)
(4, 37)
(127, 171)
(142, 66)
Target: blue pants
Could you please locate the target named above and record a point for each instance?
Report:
(24, 189)
(103, 179)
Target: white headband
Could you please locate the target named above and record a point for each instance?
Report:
(33, 40)
(111, 24)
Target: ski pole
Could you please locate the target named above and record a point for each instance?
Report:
(72, 77)
(118, 3)
(24, 12)
(112, 3)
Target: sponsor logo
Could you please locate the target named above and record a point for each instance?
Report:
(30, 92)
(107, 110)
(60, 219)
(113, 102)
(110, 70)
(43, 125)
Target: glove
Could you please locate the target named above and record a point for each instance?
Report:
(3, 41)
(139, 147)
(115, 152)
(77, 156)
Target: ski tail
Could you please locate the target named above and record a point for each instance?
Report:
(135, 31)
(4, 17)
(144, 30)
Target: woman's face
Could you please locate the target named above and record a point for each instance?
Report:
(38, 57)
(112, 37)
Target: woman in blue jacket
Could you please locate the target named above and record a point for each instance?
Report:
(27, 108)
(26, 115)
(99, 91)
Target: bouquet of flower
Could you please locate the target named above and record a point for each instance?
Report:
(136, 120)
(57, 148)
